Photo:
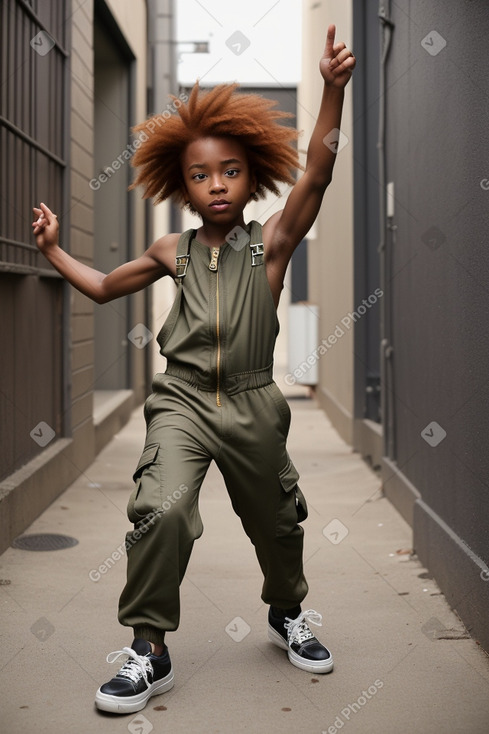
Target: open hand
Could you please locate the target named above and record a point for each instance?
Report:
(337, 62)
(45, 227)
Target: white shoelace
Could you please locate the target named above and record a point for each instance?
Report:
(297, 629)
(133, 668)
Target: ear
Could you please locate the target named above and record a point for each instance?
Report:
(184, 192)
(253, 183)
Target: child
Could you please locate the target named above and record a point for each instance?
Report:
(217, 399)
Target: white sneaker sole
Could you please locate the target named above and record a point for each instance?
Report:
(312, 666)
(131, 704)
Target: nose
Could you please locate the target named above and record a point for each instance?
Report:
(216, 184)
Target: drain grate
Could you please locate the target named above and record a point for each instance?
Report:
(44, 542)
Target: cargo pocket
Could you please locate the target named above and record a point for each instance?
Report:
(146, 496)
(292, 505)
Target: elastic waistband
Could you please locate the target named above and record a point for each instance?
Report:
(230, 384)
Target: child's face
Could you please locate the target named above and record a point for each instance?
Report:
(217, 180)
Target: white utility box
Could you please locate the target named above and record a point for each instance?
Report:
(303, 342)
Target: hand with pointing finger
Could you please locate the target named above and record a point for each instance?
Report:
(337, 62)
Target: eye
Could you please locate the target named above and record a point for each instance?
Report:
(232, 172)
(199, 177)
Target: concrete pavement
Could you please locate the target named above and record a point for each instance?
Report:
(403, 661)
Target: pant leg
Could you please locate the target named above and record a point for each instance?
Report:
(164, 510)
(262, 484)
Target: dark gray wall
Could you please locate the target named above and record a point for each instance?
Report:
(437, 290)
(366, 211)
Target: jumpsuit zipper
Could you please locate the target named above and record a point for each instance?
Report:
(218, 395)
(214, 268)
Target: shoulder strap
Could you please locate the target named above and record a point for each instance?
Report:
(256, 243)
(183, 253)
(256, 236)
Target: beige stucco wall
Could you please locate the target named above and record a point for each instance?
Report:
(330, 246)
(131, 19)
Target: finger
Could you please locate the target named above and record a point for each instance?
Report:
(342, 56)
(328, 51)
(47, 212)
(339, 47)
(347, 65)
(338, 66)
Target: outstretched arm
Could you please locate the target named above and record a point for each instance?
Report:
(128, 278)
(285, 229)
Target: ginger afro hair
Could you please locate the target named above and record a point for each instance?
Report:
(221, 111)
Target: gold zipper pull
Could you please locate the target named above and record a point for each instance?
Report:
(214, 258)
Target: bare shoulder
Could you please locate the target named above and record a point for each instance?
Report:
(164, 250)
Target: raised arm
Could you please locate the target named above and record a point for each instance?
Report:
(285, 229)
(101, 288)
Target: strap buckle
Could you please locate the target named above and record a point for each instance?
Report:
(257, 252)
(182, 262)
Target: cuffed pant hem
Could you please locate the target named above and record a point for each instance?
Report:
(287, 602)
(151, 634)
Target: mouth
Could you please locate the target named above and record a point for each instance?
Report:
(219, 205)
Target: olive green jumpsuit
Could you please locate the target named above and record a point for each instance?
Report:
(216, 400)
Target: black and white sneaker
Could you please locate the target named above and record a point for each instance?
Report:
(143, 675)
(294, 635)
